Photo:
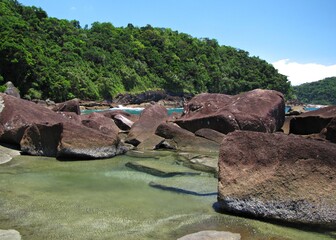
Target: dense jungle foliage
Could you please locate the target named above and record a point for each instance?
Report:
(320, 92)
(53, 58)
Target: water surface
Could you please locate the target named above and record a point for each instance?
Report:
(44, 198)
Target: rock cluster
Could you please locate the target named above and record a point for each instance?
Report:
(41, 131)
(262, 172)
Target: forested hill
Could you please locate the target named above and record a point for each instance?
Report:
(51, 58)
(320, 92)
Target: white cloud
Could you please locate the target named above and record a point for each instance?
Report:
(299, 73)
(73, 8)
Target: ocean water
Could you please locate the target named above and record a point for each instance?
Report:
(44, 198)
(136, 111)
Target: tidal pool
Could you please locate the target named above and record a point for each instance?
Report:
(44, 198)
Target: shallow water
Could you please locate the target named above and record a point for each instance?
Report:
(44, 198)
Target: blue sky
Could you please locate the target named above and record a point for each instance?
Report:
(297, 36)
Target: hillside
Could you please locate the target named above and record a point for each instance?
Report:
(52, 58)
(320, 92)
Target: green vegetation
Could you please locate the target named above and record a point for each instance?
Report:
(51, 58)
(320, 92)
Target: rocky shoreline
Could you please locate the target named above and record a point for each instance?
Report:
(263, 171)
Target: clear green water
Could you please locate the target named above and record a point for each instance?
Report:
(43, 198)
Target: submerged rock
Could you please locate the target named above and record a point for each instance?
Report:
(275, 176)
(257, 110)
(211, 235)
(10, 234)
(6, 154)
(161, 169)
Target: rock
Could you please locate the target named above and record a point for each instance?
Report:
(312, 122)
(275, 176)
(10, 234)
(296, 110)
(100, 123)
(161, 169)
(69, 141)
(68, 106)
(85, 143)
(200, 162)
(257, 110)
(151, 143)
(17, 114)
(210, 134)
(39, 131)
(211, 235)
(41, 139)
(185, 140)
(12, 90)
(331, 131)
(123, 122)
(150, 118)
(6, 154)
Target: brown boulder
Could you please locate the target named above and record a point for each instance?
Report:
(276, 176)
(17, 114)
(257, 110)
(69, 141)
(150, 118)
(331, 131)
(100, 123)
(185, 140)
(312, 122)
(41, 139)
(210, 134)
(68, 106)
(85, 143)
(122, 119)
(41, 131)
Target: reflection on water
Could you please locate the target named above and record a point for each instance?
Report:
(46, 199)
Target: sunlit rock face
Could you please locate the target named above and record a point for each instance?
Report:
(257, 110)
(276, 176)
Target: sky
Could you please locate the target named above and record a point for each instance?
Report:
(297, 36)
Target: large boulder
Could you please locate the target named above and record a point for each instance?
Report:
(41, 131)
(68, 106)
(69, 141)
(17, 114)
(86, 143)
(185, 140)
(312, 122)
(100, 123)
(41, 139)
(257, 110)
(276, 176)
(150, 118)
(330, 131)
